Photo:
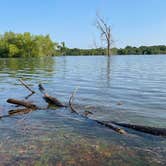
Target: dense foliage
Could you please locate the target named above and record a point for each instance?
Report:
(143, 50)
(77, 51)
(148, 50)
(28, 45)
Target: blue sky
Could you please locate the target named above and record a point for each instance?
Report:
(134, 22)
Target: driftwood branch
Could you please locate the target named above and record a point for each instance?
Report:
(22, 103)
(109, 125)
(71, 101)
(26, 86)
(27, 97)
(20, 111)
(112, 126)
(49, 99)
(145, 129)
(16, 112)
(52, 100)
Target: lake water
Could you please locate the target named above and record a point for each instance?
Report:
(128, 89)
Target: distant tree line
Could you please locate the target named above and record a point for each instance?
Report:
(143, 50)
(28, 45)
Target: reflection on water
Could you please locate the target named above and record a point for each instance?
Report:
(58, 137)
(26, 67)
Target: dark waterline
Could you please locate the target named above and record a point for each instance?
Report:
(126, 89)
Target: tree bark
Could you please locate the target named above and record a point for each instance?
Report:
(22, 103)
(108, 50)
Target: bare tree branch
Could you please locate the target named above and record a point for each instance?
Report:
(105, 32)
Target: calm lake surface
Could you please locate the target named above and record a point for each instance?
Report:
(130, 89)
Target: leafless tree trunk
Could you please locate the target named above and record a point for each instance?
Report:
(105, 32)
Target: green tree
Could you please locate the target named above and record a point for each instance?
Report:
(13, 50)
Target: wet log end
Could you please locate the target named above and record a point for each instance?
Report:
(22, 103)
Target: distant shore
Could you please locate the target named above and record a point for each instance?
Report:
(27, 45)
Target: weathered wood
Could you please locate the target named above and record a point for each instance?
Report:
(41, 88)
(109, 125)
(71, 101)
(52, 100)
(26, 86)
(49, 99)
(20, 111)
(71, 104)
(145, 129)
(27, 97)
(112, 126)
(22, 103)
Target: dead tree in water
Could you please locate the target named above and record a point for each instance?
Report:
(105, 32)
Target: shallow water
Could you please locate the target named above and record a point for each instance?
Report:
(124, 88)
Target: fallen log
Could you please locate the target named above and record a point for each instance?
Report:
(109, 125)
(52, 100)
(49, 99)
(19, 111)
(112, 126)
(22, 103)
(146, 129)
(26, 86)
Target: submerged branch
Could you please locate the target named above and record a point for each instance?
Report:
(27, 97)
(71, 100)
(49, 99)
(145, 129)
(109, 125)
(112, 126)
(52, 100)
(26, 86)
(20, 111)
